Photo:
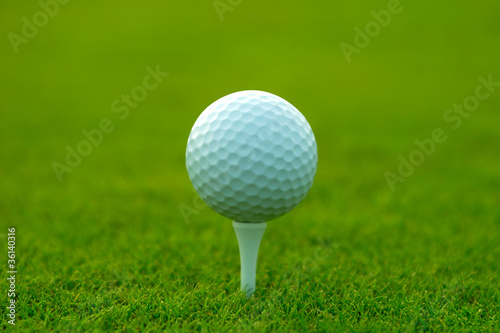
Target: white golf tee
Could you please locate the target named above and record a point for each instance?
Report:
(249, 236)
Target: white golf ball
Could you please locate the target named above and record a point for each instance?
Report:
(251, 156)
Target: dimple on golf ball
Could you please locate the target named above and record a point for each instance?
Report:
(251, 156)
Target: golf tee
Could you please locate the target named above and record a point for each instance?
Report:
(249, 236)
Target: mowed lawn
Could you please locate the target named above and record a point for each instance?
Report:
(115, 239)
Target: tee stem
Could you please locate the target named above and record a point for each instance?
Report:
(249, 236)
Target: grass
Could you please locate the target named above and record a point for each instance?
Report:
(108, 249)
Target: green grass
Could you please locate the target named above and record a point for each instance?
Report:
(107, 249)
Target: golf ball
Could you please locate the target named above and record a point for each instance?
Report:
(251, 156)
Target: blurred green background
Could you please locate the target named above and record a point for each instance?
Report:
(108, 247)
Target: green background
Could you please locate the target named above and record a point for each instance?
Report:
(108, 247)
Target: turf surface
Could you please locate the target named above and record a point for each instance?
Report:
(108, 247)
